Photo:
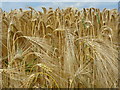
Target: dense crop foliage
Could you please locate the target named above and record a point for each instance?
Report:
(62, 48)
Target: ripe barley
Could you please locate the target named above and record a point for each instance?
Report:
(66, 48)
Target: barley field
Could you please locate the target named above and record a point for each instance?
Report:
(61, 48)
